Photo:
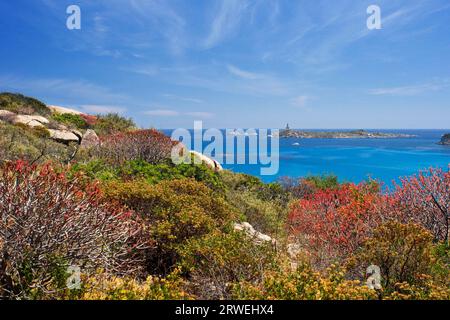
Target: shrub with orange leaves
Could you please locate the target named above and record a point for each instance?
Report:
(90, 119)
(332, 223)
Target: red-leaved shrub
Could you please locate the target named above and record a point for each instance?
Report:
(46, 218)
(334, 222)
(151, 146)
(90, 119)
(425, 199)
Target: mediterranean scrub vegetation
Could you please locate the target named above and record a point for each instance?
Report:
(139, 227)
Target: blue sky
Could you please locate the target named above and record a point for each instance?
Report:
(235, 63)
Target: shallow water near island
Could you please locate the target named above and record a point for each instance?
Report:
(356, 160)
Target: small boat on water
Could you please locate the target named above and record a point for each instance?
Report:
(296, 144)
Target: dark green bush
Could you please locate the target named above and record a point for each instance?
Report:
(174, 212)
(264, 206)
(218, 260)
(323, 182)
(152, 173)
(71, 120)
(23, 105)
(112, 123)
(31, 144)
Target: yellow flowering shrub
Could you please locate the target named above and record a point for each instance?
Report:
(305, 284)
(173, 212)
(106, 287)
(429, 290)
(402, 251)
(218, 260)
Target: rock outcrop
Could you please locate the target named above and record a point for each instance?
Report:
(90, 139)
(252, 233)
(5, 114)
(213, 164)
(63, 136)
(63, 110)
(445, 140)
(31, 121)
(28, 120)
(59, 132)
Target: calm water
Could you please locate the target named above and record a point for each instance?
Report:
(358, 159)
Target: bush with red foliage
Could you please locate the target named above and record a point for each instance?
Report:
(90, 119)
(44, 216)
(334, 222)
(151, 146)
(425, 199)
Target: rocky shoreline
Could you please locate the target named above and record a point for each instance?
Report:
(356, 134)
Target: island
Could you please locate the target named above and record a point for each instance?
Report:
(352, 134)
(445, 140)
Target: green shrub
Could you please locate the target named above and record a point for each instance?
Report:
(40, 132)
(30, 144)
(95, 170)
(265, 216)
(98, 169)
(21, 104)
(112, 123)
(403, 252)
(156, 173)
(218, 260)
(264, 206)
(173, 211)
(323, 182)
(239, 181)
(71, 120)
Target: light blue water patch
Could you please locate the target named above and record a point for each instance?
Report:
(356, 160)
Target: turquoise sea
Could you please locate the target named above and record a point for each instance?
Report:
(356, 160)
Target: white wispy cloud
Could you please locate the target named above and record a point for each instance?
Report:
(102, 109)
(168, 21)
(185, 99)
(244, 74)
(174, 113)
(317, 39)
(76, 90)
(300, 101)
(146, 70)
(214, 78)
(411, 90)
(226, 21)
(162, 113)
(200, 114)
(149, 22)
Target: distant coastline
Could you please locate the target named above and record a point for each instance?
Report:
(350, 134)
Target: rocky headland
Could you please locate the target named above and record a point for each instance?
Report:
(445, 140)
(355, 134)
